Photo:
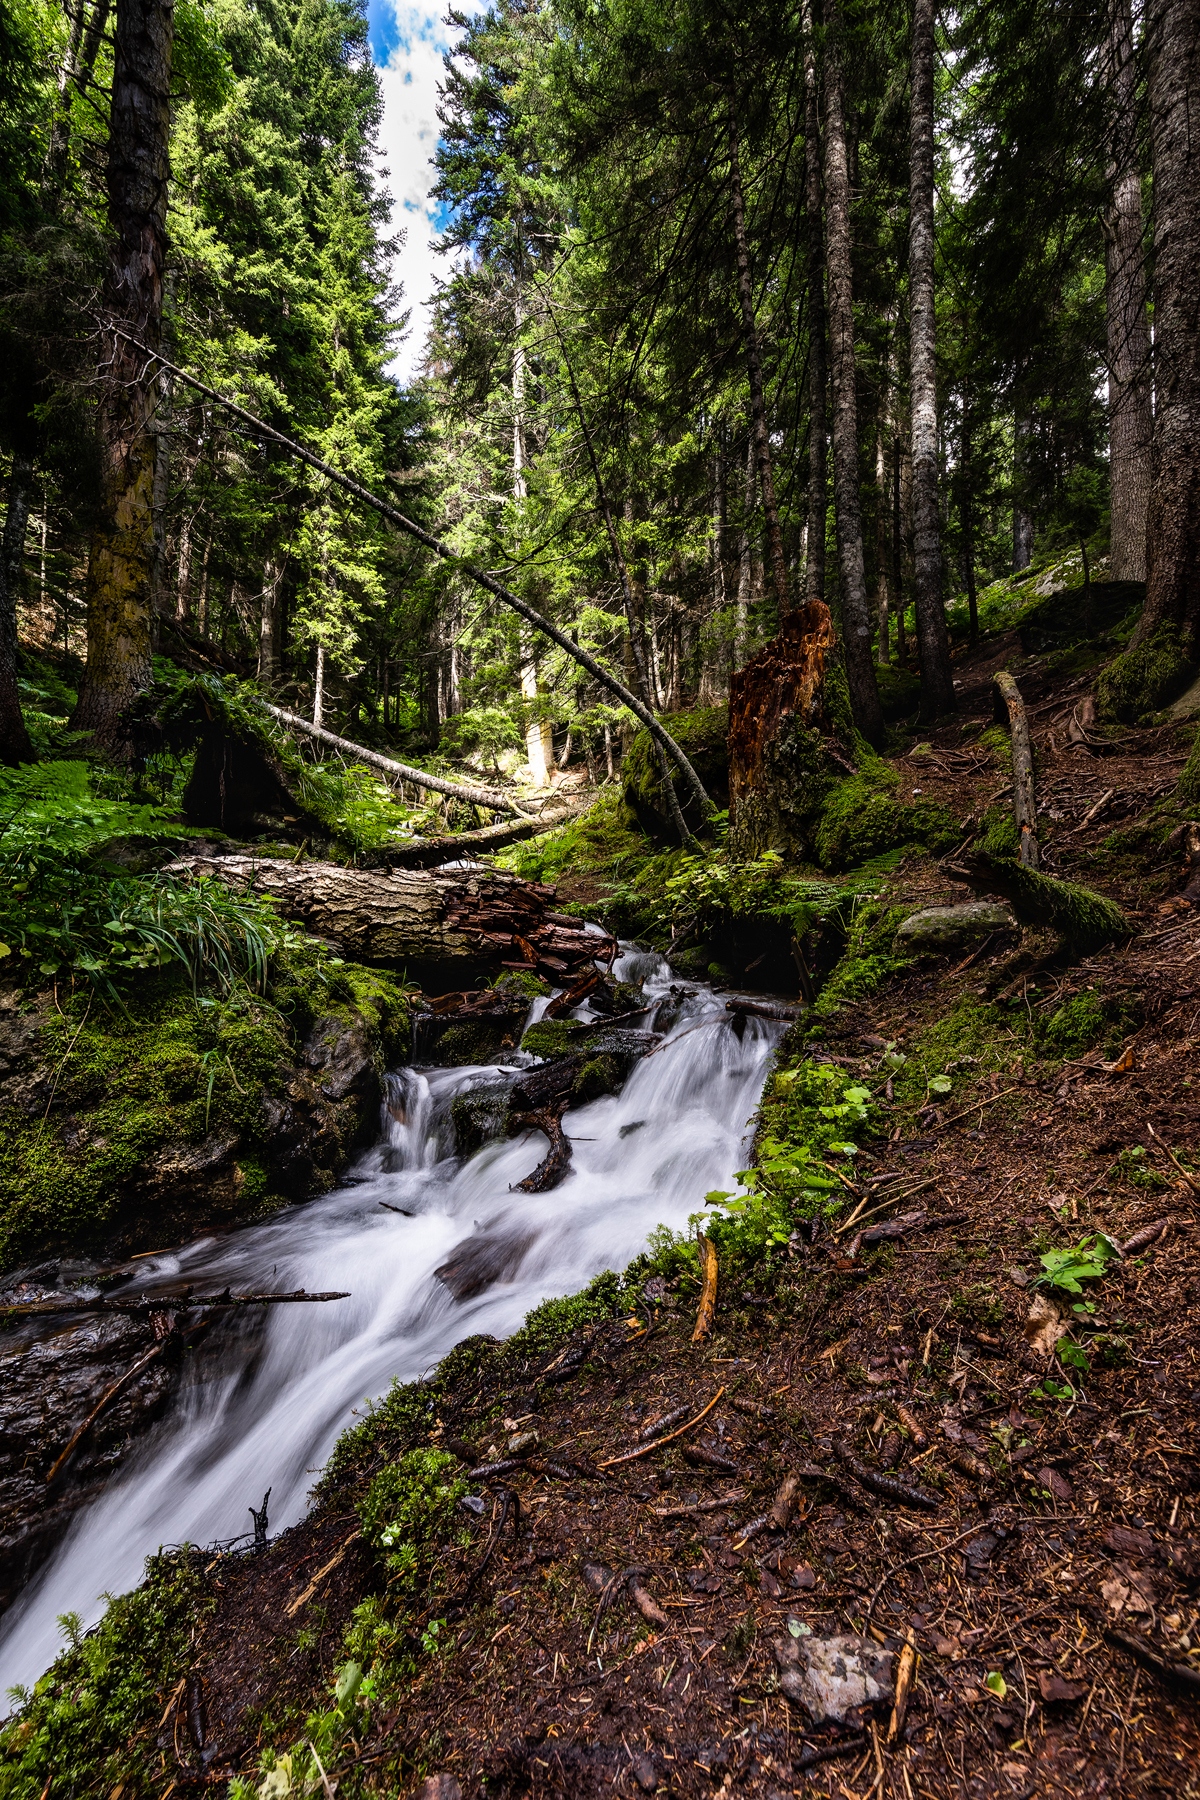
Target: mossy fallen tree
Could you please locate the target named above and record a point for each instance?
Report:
(1085, 918)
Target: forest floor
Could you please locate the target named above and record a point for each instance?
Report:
(1048, 1578)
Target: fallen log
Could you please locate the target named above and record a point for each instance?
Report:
(467, 923)
(557, 1160)
(430, 853)
(1009, 701)
(457, 790)
(188, 1301)
(1085, 918)
(764, 1009)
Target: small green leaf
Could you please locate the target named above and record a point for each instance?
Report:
(997, 1684)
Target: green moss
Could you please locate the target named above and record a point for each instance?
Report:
(119, 1089)
(972, 1039)
(1080, 1023)
(701, 735)
(1189, 781)
(867, 962)
(1000, 836)
(997, 740)
(1085, 919)
(602, 1075)
(408, 1511)
(860, 820)
(1136, 684)
(522, 981)
(552, 1038)
(779, 814)
(88, 1725)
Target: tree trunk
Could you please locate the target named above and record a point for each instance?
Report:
(818, 444)
(268, 659)
(77, 73)
(897, 553)
(967, 512)
(448, 929)
(318, 717)
(1173, 522)
(1021, 517)
(15, 746)
(119, 569)
(762, 442)
(933, 645)
(1130, 418)
(883, 647)
(860, 669)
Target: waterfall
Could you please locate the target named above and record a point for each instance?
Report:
(264, 1398)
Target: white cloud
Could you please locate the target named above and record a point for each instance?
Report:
(407, 142)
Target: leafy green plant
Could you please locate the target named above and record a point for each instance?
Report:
(1086, 1261)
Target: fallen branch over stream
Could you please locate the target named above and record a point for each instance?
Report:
(148, 1303)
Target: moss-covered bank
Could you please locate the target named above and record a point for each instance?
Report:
(125, 1128)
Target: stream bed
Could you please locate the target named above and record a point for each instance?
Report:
(263, 1401)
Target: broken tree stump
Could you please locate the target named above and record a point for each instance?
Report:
(782, 738)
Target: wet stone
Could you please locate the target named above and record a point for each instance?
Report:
(943, 930)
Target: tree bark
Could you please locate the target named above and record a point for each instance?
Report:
(818, 437)
(120, 565)
(967, 511)
(933, 645)
(897, 553)
(1173, 520)
(77, 73)
(15, 745)
(1130, 417)
(860, 669)
(1009, 702)
(447, 928)
(762, 442)
(1022, 519)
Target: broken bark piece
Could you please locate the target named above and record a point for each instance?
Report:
(656, 1427)
(1008, 697)
(887, 1485)
(784, 1503)
(645, 1604)
(755, 1408)
(700, 1456)
(906, 1675)
(708, 1293)
(1141, 1240)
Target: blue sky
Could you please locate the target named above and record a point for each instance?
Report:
(408, 42)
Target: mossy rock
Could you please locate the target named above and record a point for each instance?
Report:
(553, 1039)
(860, 819)
(949, 930)
(478, 1116)
(1067, 617)
(1139, 682)
(1085, 919)
(127, 1129)
(471, 1043)
(600, 1075)
(550, 1039)
(1077, 1025)
(701, 735)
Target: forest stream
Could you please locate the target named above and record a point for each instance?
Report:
(263, 1402)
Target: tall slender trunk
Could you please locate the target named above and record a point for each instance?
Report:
(1130, 418)
(15, 746)
(119, 570)
(319, 687)
(818, 437)
(1022, 519)
(160, 489)
(860, 670)
(268, 658)
(933, 644)
(202, 616)
(966, 508)
(883, 648)
(1173, 523)
(183, 571)
(77, 73)
(537, 752)
(762, 442)
(745, 564)
(897, 551)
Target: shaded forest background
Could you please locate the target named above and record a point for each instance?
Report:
(850, 304)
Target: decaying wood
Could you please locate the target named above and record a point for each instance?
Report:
(887, 1485)
(431, 853)
(419, 920)
(1008, 697)
(188, 1301)
(575, 995)
(906, 1675)
(701, 1457)
(656, 1427)
(645, 1604)
(913, 1426)
(1150, 1659)
(472, 792)
(557, 1160)
(778, 694)
(708, 1293)
(765, 1009)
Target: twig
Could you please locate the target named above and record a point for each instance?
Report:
(708, 1296)
(109, 1395)
(646, 1449)
(978, 1107)
(185, 1302)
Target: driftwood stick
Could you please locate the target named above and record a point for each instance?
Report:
(185, 1302)
(708, 1295)
(457, 790)
(1024, 801)
(105, 1400)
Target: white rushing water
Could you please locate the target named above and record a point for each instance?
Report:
(265, 1397)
